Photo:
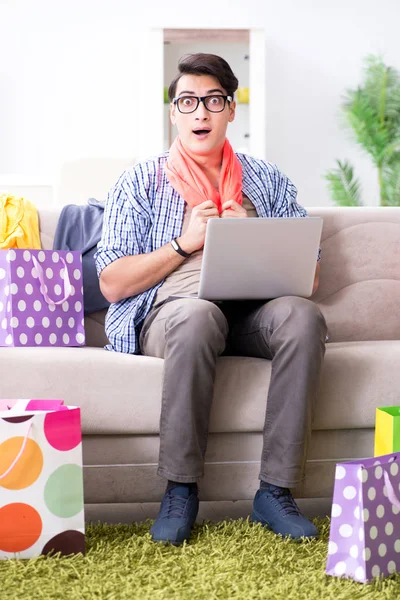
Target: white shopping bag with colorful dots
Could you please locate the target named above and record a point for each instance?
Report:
(41, 483)
(41, 298)
(364, 539)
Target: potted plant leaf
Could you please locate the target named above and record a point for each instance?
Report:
(372, 113)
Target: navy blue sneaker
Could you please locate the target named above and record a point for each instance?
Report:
(275, 508)
(177, 515)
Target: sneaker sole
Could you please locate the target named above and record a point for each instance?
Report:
(256, 519)
(168, 543)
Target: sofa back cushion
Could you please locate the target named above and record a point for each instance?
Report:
(84, 178)
(359, 291)
(48, 219)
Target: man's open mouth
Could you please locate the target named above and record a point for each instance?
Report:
(200, 132)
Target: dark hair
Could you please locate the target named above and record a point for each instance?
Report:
(205, 64)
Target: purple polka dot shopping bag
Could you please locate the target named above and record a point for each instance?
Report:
(364, 537)
(41, 298)
(41, 483)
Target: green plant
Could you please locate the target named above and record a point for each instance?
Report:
(372, 112)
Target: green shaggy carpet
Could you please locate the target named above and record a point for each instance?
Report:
(230, 559)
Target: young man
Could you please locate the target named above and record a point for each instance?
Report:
(149, 261)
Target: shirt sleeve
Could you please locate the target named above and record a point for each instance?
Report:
(124, 222)
(284, 203)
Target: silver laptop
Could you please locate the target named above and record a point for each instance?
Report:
(259, 258)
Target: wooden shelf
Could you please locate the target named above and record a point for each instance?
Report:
(183, 36)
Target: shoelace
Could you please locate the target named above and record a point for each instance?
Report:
(287, 505)
(175, 506)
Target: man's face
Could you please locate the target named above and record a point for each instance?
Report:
(212, 126)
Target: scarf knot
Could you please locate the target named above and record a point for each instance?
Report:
(190, 181)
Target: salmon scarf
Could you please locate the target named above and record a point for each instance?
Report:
(188, 179)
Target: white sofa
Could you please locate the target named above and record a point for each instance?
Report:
(120, 394)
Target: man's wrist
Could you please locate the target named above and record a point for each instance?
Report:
(185, 245)
(178, 248)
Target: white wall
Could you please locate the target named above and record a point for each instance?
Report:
(69, 78)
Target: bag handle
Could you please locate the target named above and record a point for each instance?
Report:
(391, 493)
(10, 468)
(67, 283)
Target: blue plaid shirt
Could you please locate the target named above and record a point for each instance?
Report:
(143, 212)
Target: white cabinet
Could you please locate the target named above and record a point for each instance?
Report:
(235, 52)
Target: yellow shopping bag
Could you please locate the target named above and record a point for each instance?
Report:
(387, 430)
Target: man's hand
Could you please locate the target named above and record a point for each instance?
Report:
(230, 209)
(194, 236)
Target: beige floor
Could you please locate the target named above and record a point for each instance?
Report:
(210, 511)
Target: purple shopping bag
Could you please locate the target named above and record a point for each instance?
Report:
(41, 298)
(364, 537)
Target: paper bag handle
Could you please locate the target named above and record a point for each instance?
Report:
(391, 493)
(10, 468)
(67, 283)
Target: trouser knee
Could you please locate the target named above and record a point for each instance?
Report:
(199, 323)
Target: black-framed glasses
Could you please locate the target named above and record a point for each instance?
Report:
(188, 104)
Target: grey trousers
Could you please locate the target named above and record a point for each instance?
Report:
(190, 334)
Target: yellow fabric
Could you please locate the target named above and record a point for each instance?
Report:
(19, 223)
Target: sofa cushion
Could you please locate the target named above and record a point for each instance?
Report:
(121, 393)
(94, 329)
(359, 290)
(48, 220)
